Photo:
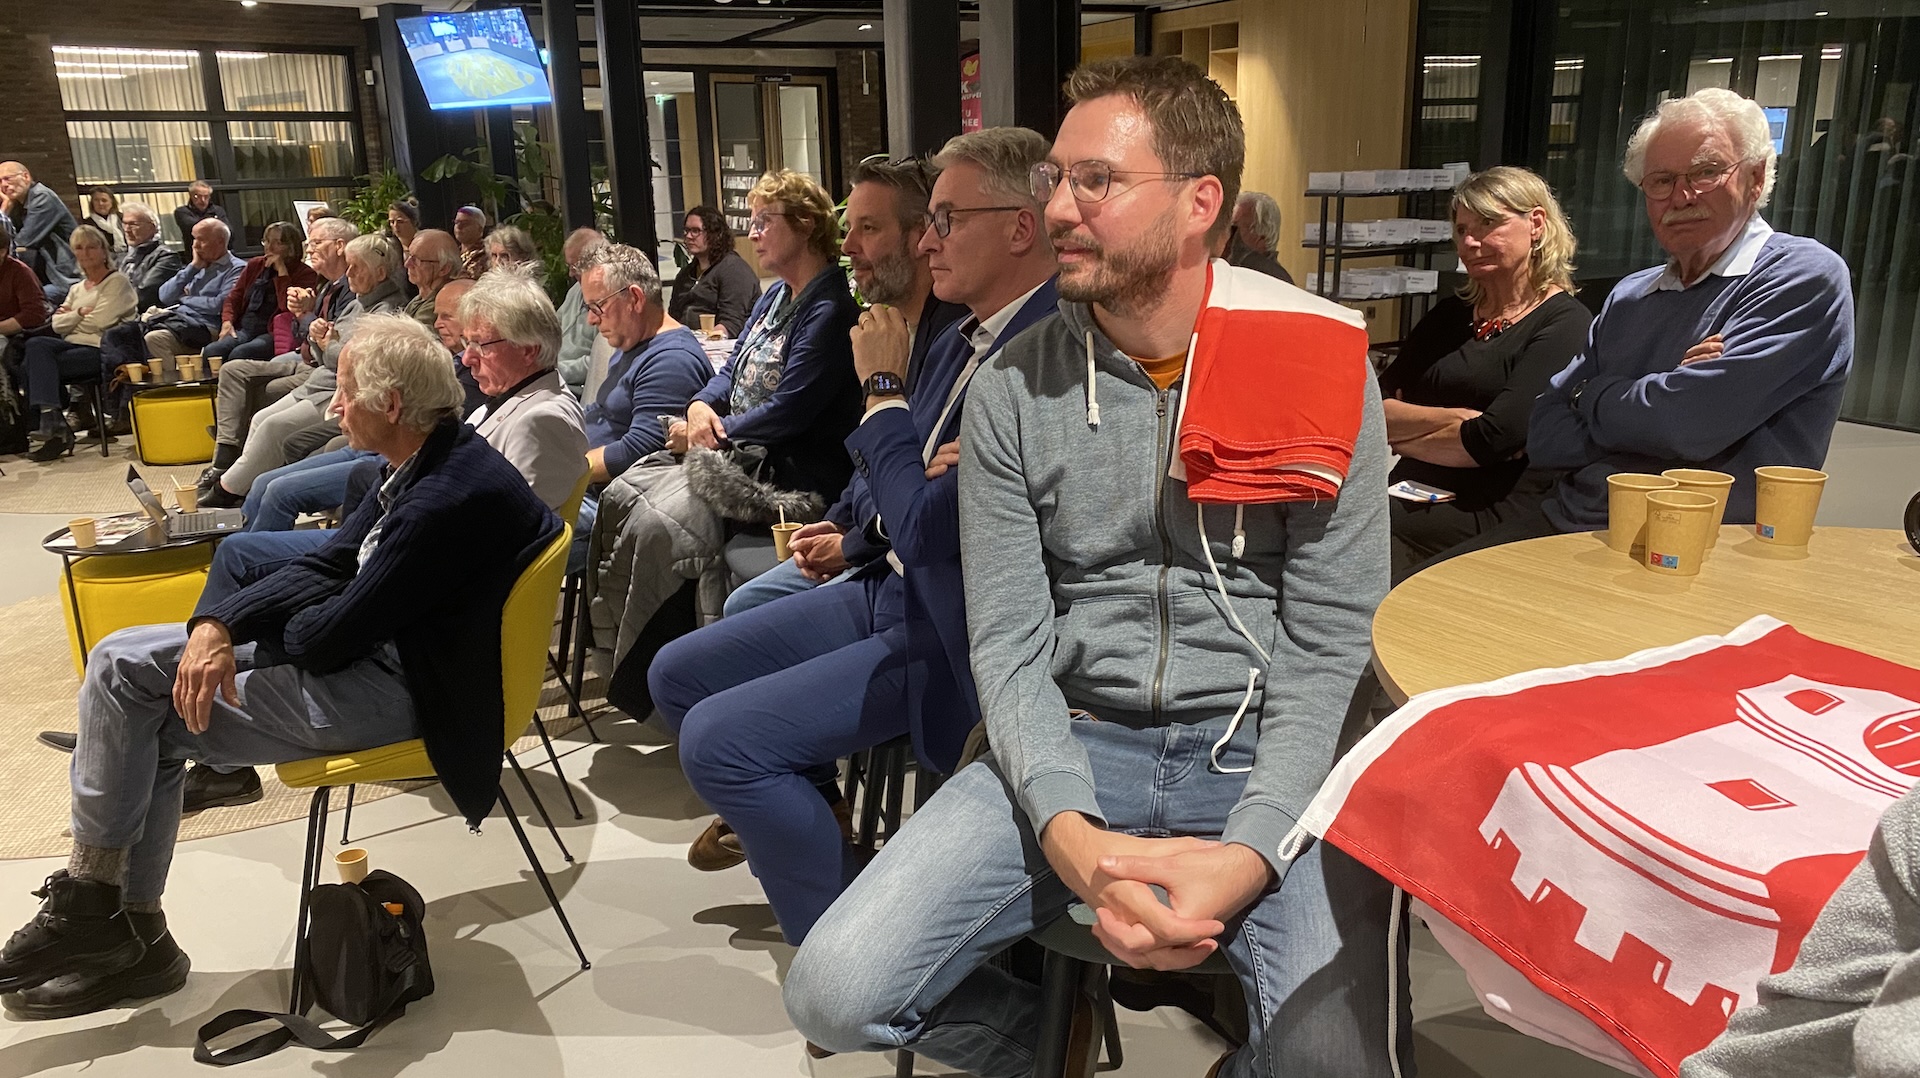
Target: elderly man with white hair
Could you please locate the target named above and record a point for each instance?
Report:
(1256, 235)
(1732, 355)
(388, 631)
(146, 260)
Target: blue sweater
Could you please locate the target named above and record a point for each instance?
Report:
(655, 379)
(1771, 398)
(818, 400)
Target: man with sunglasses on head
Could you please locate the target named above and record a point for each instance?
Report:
(1733, 355)
(1162, 679)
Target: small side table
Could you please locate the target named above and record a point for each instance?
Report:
(145, 579)
(171, 420)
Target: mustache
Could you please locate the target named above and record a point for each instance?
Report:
(1691, 213)
(1085, 243)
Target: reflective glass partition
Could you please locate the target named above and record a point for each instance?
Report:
(264, 128)
(1838, 85)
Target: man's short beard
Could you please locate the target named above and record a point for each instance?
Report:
(1125, 281)
(893, 277)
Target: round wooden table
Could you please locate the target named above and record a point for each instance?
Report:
(1570, 599)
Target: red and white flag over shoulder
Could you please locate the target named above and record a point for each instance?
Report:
(1617, 852)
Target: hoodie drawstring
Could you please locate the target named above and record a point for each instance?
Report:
(1093, 395)
(1253, 672)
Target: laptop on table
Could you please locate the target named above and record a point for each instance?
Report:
(178, 525)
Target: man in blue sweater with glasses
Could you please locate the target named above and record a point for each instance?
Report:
(1732, 356)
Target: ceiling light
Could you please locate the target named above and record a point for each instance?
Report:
(128, 54)
(866, 26)
(249, 3)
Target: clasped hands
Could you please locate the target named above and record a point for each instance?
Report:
(1207, 883)
(702, 427)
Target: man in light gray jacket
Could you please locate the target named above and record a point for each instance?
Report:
(1147, 730)
(1850, 1003)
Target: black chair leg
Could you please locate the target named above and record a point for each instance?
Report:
(903, 1064)
(100, 415)
(540, 806)
(573, 698)
(1060, 978)
(346, 821)
(554, 757)
(896, 788)
(1110, 1021)
(876, 779)
(297, 1002)
(539, 873)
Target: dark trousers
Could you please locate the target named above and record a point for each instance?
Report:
(764, 703)
(241, 346)
(50, 363)
(1424, 534)
(1529, 523)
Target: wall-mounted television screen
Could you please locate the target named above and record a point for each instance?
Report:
(476, 59)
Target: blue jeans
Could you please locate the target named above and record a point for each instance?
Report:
(49, 362)
(582, 533)
(246, 557)
(128, 762)
(784, 578)
(311, 485)
(764, 703)
(901, 959)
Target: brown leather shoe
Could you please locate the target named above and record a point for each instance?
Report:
(716, 849)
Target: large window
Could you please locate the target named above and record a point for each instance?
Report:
(264, 128)
(1838, 87)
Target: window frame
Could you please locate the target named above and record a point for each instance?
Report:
(219, 119)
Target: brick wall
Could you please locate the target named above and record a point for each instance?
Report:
(863, 117)
(33, 126)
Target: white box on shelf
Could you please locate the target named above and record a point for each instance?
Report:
(1355, 233)
(1435, 179)
(1460, 170)
(1399, 179)
(1311, 233)
(1419, 281)
(1323, 181)
(1436, 231)
(1397, 230)
(1363, 180)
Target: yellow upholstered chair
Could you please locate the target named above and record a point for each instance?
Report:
(114, 591)
(172, 425)
(526, 624)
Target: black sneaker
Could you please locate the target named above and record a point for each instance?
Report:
(64, 740)
(206, 788)
(220, 497)
(208, 479)
(81, 928)
(161, 971)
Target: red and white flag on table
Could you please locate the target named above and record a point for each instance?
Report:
(1618, 852)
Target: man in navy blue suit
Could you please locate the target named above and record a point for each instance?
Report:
(760, 698)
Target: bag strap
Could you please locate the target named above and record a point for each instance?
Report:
(293, 1027)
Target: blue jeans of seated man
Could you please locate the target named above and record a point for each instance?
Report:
(249, 556)
(582, 532)
(313, 485)
(783, 579)
(901, 958)
(764, 703)
(128, 762)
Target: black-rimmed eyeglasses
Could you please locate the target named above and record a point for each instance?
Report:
(941, 220)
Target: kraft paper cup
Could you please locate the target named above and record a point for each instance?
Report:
(1785, 501)
(1627, 507)
(1702, 481)
(783, 539)
(213, 364)
(1677, 526)
(351, 864)
(136, 372)
(81, 528)
(706, 324)
(188, 498)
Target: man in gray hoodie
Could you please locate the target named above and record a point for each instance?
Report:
(1850, 1004)
(1120, 636)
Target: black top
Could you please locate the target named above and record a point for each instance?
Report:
(727, 291)
(1441, 365)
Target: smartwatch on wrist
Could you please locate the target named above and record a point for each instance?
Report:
(884, 384)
